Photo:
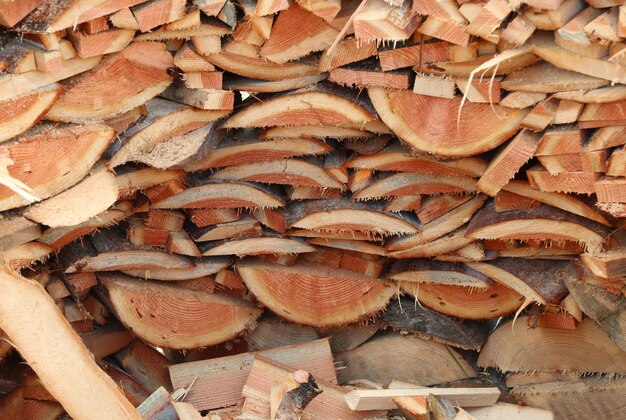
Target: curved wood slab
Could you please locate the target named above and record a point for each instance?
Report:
(344, 214)
(20, 113)
(433, 129)
(543, 223)
(320, 105)
(518, 347)
(383, 359)
(259, 68)
(175, 318)
(140, 73)
(312, 294)
(222, 194)
(424, 270)
(70, 152)
(463, 302)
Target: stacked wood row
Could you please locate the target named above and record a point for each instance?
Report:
(317, 208)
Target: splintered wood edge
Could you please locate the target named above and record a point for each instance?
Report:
(515, 347)
(351, 297)
(302, 105)
(172, 317)
(508, 279)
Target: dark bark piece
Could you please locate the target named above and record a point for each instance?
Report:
(541, 281)
(405, 315)
(441, 408)
(301, 388)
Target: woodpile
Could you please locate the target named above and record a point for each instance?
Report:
(317, 209)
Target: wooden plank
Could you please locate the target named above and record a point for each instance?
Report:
(382, 399)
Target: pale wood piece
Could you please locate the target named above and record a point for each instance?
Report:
(60, 344)
(217, 100)
(188, 60)
(518, 31)
(546, 78)
(444, 29)
(219, 382)
(521, 100)
(569, 182)
(439, 87)
(509, 411)
(382, 399)
(326, 9)
(611, 190)
(567, 112)
(557, 349)
(489, 18)
(617, 163)
(572, 36)
(373, 361)
(17, 230)
(415, 55)
(268, 7)
(205, 45)
(124, 19)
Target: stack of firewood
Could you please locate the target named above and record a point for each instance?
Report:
(318, 208)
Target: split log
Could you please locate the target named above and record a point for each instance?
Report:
(291, 395)
(405, 315)
(72, 150)
(13, 12)
(434, 363)
(219, 382)
(433, 135)
(372, 399)
(205, 30)
(553, 348)
(258, 68)
(107, 42)
(140, 71)
(453, 219)
(607, 310)
(203, 267)
(244, 227)
(581, 396)
(22, 112)
(606, 264)
(437, 272)
(286, 172)
(405, 183)
(58, 238)
(549, 224)
(257, 244)
(546, 78)
(542, 281)
(222, 194)
(345, 52)
(446, 244)
(265, 86)
(297, 32)
(463, 302)
(562, 201)
(146, 365)
(570, 182)
(267, 282)
(344, 214)
(165, 122)
(395, 159)
(55, 17)
(258, 390)
(17, 230)
(320, 105)
(508, 162)
(60, 344)
(414, 55)
(271, 333)
(246, 151)
(76, 205)
(170, 323)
